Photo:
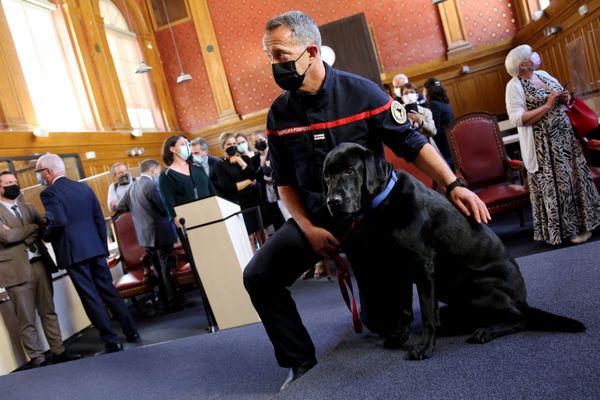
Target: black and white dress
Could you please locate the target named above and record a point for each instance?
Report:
(564, 200)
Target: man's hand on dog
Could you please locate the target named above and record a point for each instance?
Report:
(470, 204)
(322, 241)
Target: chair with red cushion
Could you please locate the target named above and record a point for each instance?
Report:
(137, 277)
(182, 273)
(480, 159)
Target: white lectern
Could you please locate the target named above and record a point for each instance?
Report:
(221, 250)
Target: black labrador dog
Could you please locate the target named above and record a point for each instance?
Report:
(450, 258)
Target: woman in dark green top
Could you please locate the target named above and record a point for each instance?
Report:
(181, 182)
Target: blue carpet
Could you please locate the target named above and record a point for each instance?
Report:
(239, 363)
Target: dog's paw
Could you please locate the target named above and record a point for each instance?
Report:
(420, 353)
(480, 336)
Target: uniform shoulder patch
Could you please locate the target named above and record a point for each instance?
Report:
(398, 112)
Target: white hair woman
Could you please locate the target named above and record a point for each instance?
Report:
(564, 201)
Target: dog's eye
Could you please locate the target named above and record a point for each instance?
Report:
(349, 171)
(326, 176)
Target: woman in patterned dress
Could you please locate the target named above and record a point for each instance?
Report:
(565, 203)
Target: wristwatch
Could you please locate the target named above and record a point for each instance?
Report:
(453, 185)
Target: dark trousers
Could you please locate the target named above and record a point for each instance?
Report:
(164, 262)
(93, 283)
(287, 254)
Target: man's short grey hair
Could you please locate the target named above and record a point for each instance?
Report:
(52, 161)
(201, 141)
(113, 169)
(304, 30)
(147, 165)
(516, 57)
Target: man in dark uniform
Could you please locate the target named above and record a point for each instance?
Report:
(320, 108)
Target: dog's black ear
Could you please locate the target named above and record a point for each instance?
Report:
(377, 172)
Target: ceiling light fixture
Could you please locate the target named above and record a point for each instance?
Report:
(183, 77)
(142, 67)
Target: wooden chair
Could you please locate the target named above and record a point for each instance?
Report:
(480, 159)
(137, 276)
(182, 273)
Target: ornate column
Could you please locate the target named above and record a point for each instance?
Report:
(453, 29)
(86, 29)
(213, 62)
(16, 109)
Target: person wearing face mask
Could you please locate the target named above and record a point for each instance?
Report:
(271, 212)
(202, 158)
(321, 107)
(154, 229)
(123, 180)
(25, 268)
(77, 231)
(182, 181)
(398, 83)
(439, 104)
(421, 117)
(565, 204)
(236, 177)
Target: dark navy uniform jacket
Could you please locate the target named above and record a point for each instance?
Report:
(303, 128)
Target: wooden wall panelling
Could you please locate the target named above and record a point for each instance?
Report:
(250, 123)
(110, 147)
(16, 109)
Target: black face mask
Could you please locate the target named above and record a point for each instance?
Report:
(286, 76)
(260, 146)
(12, 192)
(231, 151)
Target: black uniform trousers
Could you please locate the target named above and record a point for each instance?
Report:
(287, 254)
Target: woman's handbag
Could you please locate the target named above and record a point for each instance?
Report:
(583, 118)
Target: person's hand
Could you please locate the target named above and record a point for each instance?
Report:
(239, 161)
(415, 118)
(470, 204)
(113, 204)
(177, 223)
(564, 97)
(6, 227)
(552, 98)
(322, 241)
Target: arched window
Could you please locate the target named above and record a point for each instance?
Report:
(49, 65)
(126, 54)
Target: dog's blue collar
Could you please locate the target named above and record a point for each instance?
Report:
(381, 196)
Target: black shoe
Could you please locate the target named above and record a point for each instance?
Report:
(297, 372)
(30, 365)
(110, 348)
(64, 357)
(133, 338)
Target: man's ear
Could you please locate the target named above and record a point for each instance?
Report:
(377, 171)
(312, 50)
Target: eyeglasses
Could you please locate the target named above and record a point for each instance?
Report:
(39, 171)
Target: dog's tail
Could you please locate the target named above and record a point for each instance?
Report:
(538, 320)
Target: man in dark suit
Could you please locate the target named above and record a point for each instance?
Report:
(24, 272)
(153, 227)
(77, 231)
(202, 158)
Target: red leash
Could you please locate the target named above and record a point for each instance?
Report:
(345, 282)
